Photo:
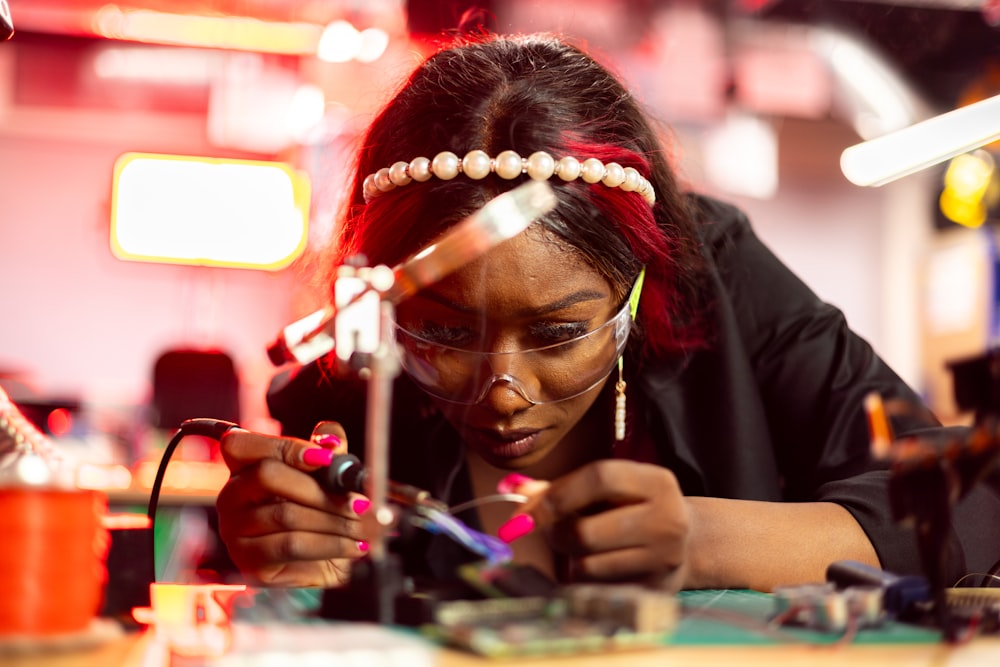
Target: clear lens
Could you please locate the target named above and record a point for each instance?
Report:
(541, 375)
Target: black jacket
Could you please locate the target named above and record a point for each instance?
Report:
(772, 410)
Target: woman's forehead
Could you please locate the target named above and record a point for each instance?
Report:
(530, 270)
(534, 257)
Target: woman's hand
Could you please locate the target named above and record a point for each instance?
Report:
(616, 520)
(280, 527)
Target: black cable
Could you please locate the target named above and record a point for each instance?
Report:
(992, 574)
(203, 426)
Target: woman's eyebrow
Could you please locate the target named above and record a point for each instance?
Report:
(567, 301)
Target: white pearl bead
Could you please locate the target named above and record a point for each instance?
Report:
(646, 190)
(568, 169)
(508, 165)
(369, 189)
(614, 175)
(632, 179)
(445, 165)
(398, 175)
(476, 165)
(420, 169)
(382, 181)
(540, 166)
(593, 170)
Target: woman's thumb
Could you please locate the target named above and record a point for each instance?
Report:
(330, 435)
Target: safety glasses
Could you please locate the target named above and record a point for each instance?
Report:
(539, 375)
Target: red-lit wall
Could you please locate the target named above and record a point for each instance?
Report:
(79, 322)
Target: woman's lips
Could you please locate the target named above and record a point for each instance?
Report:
(506, 445)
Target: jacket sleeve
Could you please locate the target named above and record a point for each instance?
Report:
(813, 373)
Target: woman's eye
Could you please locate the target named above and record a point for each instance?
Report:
(539, 334)
(551, 332)
(443, 335)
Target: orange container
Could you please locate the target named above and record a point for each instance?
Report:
(52, 570)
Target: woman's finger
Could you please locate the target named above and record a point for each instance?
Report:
(607, 483)
(633, 564)
(298, 545)
(593, 488)
(242, 448)
(616, 528)
(281, 516)
(269, 479)
(330, 435)
(297, 558)
(301, 574)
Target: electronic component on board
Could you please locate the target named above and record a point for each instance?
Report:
(507, 580)
(823, 607)
(580, 618)
(978, 607)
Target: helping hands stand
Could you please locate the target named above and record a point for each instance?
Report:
(365, 335)
(361, 322)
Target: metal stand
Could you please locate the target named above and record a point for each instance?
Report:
(361, 323)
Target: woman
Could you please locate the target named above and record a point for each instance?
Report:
(741, 458)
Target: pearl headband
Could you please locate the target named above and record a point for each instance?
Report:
(507, 165)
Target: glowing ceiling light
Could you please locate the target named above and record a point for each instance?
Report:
(222, 32)
(340, 43)
(374, 42)
(208, 211)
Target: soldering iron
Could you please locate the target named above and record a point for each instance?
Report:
(346, 473)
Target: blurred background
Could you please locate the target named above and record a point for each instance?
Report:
(114, 331)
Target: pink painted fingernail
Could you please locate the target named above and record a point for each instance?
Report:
(317, 456)
(511, 482)
(362, 546)
(519, 525)
(324, 439)
(360, 506)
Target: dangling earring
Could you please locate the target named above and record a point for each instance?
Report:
(633, 306)
(620, 404)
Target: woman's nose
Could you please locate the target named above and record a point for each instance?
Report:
(517, 369)
(505, 396)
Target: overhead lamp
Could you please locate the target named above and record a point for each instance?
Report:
(897, 154)
(339, 41)
(342, 42)
(221, 32)
(205, 211)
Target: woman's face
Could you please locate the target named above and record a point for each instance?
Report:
(527, 293)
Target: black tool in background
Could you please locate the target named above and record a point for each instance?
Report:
(929, 477)
(902, 596)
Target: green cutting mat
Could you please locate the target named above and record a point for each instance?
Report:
(708, 617)
(740, 617)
